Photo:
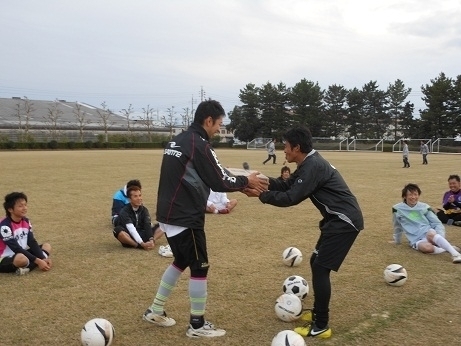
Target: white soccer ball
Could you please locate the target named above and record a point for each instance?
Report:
(288, 338)
(97, 332)
(288, 307)
(296, 285)
(292, 256)
(395, 275)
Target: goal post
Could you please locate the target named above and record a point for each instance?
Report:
(259, 143)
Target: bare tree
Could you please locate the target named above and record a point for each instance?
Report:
(28, 111)
(104, 114)
(147, 120)
(169, 121)
(82, 120)
(126, 114)
(18, 114)
(52, 119)
(186, 118)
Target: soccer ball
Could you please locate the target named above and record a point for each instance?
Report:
(97, 332)
(395, 275)
(296, 285)
(288, 307)
(288, 338)
(292, 257)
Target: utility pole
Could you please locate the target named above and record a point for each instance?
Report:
(202, 94)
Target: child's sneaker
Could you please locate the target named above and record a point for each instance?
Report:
(22, 271)
(160, 320)
(314, 331)
(165, 251)
(224, 211)
(457, 259)
(208, 330)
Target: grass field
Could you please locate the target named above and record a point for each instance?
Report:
(70, 195)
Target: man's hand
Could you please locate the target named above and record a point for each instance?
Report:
(251, 192)
(256, 183)
(148, 245)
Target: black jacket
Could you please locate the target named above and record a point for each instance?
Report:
(189, 169)
(140, 219)
(317, 179)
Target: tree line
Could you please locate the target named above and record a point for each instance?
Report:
(369, 112)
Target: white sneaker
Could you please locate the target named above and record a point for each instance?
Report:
(22, 271)
(165, 251)
(208, 330)
(160, 320)
(457, 259)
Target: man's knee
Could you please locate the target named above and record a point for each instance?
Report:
(199, 272)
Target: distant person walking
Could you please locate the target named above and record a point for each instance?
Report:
(271, 152)
(424, 151)
(405, 153)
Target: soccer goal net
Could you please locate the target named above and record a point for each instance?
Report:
(259, 143)
(370, 144)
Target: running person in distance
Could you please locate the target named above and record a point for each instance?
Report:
(190, 168)
(271, 152)
(19, 250)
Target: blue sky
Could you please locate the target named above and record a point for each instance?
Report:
(163, 53)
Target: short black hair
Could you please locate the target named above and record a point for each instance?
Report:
(454, 176)
(208, 108)
(11, 199)
(134, 182)
(131, 189)
(301, 136)
(410, 188)
(285, 169)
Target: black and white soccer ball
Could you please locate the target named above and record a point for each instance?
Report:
(288, 338)
(292, 256)
(97, 332)
(296, 285)
(395, 275)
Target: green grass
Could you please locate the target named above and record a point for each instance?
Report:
(93, 276)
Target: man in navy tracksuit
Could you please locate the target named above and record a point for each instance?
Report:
(342, 220)
(190, 168)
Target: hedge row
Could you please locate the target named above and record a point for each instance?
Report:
(10, 145)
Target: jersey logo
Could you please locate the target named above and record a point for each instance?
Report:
(173, 145)
(6, 232)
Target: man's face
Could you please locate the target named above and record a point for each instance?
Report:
(290, 153)
(454, 185)
(136, 198)
(19, 210)
(213, 128)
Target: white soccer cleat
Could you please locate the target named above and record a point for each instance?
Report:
(208, 330)
(165, 251)
(160, 320)
(457, 259)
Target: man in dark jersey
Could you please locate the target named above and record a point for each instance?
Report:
(342, 220)
(190, 168)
